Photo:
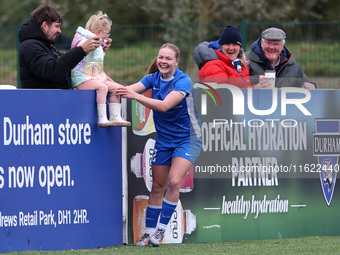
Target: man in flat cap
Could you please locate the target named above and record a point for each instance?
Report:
(269, 53)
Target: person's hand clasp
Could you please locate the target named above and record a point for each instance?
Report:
(263, 83)
(91, 44)
(125, 92)
(107, 44)
(308, 85)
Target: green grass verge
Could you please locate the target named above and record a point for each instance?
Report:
(300, 246)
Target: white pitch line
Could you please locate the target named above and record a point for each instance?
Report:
(212, 226)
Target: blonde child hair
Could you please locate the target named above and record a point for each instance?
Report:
(97, 21)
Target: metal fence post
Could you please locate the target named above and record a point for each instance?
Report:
(243, 26)
(18, 65)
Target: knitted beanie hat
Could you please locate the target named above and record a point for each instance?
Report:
(231, 34)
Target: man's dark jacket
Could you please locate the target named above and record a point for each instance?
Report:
(288, 72)
(42, 66)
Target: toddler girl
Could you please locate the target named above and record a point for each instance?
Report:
(89, 73)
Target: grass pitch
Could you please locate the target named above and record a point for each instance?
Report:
(300, 246)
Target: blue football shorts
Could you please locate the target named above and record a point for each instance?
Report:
(164, 150)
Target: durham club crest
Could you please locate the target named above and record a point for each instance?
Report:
(326, 146)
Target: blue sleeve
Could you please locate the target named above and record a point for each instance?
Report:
(183, 85)
(148, 81)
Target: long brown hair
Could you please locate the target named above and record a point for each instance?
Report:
(153, 66)
(242, 57)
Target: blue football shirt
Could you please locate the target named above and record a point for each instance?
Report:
(181, 121)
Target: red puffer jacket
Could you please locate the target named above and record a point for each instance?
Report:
(223, 71)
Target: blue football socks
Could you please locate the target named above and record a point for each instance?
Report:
(167, 210)
(151, 218)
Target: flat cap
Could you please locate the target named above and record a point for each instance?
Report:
(273, 33)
